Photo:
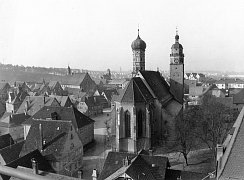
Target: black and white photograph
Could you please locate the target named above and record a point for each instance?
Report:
(121, 90)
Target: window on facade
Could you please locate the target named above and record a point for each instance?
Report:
(71, 136)
(127, 124)
(141, 124)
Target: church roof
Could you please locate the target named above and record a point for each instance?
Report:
(135, 91)
(157, 84)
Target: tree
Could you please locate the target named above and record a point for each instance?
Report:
(213, 122)
(185, 130)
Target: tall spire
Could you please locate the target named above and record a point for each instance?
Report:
(138, 30)
(176, 36)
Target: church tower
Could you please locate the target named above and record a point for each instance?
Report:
(138, 48)
(177, 70)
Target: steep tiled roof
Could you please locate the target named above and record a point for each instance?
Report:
(172, 174)
(20, 97)
(64, 101)
(69, 114)
(35, 103)
(25, 161)
(140, 164)
(54, 132)
(15, 119)
(53, 176)
(158, 84)
(12, 152)
(233, 158)
(6, 140)
(135, 91)
(3, 85)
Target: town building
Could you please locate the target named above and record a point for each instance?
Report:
(12, 124)
(59, 143)
(83, 124)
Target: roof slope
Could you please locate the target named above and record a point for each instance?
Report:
(158, 84)
(12, 152)
(135, 91)
(233, 158)
(25, 161)
(140, 164)
(69, 114)
(54, 133)
(6, 140)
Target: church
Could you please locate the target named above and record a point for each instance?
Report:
(146, 109)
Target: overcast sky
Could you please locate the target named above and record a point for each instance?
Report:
(97, 34)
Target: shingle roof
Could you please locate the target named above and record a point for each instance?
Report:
(12, 152)
(6, 140)
(54, 132)
(158, 84)
(172, 174)
(15, 119)
(233, 158)
(139, 164)
(35, 103)
(69, 114)
(25, 161)
(53, 176)
(135, 91)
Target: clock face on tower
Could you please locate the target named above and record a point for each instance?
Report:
(176, 60)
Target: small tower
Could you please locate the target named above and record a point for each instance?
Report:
(138, 48)
(69, 70)
(177, 70)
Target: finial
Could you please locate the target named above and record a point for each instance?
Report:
(176, 30)
(138, 29)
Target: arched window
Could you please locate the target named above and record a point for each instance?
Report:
(127, 124)
(141, 124)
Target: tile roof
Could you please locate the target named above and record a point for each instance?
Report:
(172, 174)
(140, 164)
(69, 114)
(4, 85)
(25, 161)
(233, 159)
(6, 140)
(53, 176)
(12, 152)
(54, 132)
(20, 97)
(64, 101)
(135, 91)
(35, 103)
(158, 84)
(15, 119)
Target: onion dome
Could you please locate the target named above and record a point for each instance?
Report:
(177, 45)
(138, 43)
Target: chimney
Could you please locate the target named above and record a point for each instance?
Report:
(80, 174)
(9, 97)
(41, 136)
(34, 166)
(220, 152)
(126, 161)
(150, 152)
(94, 174)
